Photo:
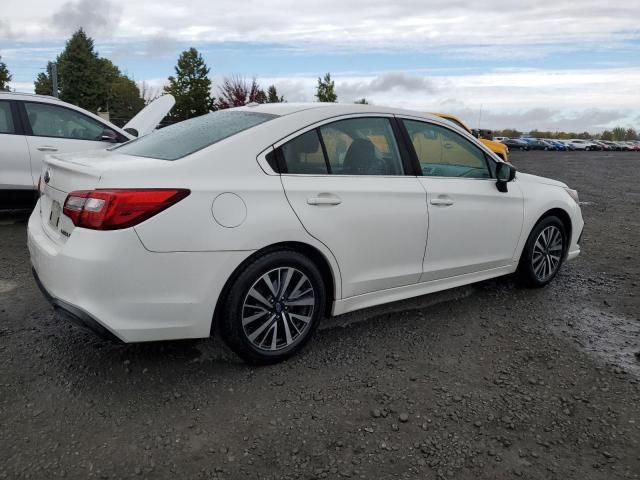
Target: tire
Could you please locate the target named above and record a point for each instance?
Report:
(258, 327)
(541, 257)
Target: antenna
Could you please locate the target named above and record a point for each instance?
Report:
(480, 117)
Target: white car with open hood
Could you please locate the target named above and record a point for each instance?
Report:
(257, 222)
(33, 126)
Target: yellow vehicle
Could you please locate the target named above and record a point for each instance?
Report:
(496, 147)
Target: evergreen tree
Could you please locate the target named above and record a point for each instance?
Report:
(125, 100)
(362, 101)
(191, 87)
(619, 133)
(83, 78)
(5, 76)
(272, 95)
(325, 91)
(261, 97)
(43, 84)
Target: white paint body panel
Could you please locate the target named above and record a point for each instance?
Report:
(478, 230)
(162, 278)
(377, 233)
(22, 156)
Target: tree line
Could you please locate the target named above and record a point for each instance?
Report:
(95, 83)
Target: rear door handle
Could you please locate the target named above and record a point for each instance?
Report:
(441, 202)
(332, 200)
(47, 148)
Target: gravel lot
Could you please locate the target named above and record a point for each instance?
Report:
(487, 381)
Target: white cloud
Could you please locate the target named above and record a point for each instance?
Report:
(556, 99)
(470, 26)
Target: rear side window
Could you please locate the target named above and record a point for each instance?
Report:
(185, 138)
(303, 155)
(357, 146)
(6, 120)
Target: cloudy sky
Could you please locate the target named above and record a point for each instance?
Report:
(547, 64)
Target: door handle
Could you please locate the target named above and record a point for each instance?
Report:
(47, 148)
(441, 202)
(324, 200)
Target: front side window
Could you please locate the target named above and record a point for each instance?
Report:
(357, 146)
(54, 121)
(6, 120)
(444, 153)
(187, 137)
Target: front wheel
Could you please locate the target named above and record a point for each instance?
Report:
(273, 307)
(543, 253)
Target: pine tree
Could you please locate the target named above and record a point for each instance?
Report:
(191, 87)
(325, 91)
(5, 76)
(272, 95)
(43, 84)
(82, 77)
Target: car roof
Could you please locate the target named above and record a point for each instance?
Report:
(29, 96)
(331, 109)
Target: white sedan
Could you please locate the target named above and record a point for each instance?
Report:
(259, 221)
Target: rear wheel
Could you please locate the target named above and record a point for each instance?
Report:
(543, 253)
(273, 308)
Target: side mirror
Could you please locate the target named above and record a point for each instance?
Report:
(108, 136)
(504, 174)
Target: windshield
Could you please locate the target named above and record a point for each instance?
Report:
(185, 138)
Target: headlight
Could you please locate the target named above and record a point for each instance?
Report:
(573, 194)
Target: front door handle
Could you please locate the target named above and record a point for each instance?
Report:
(47, 148)
(328, 200)
(441, 202)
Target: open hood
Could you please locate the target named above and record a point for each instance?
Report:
(150, 116)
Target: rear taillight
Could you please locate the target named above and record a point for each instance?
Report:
(115, 209)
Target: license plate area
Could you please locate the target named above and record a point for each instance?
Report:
(54, 215)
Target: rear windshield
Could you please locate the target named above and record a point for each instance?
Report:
(184, 138)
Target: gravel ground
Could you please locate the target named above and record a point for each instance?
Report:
(486, 381)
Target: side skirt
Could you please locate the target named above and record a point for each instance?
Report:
(358, 302)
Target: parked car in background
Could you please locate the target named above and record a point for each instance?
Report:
(556, 144)
(516, 144)
(496, 147)
(500, 139)
(32, 126)
(580, 144)
(538, 144)
(612, 145)
(257, 222)
(568, 145)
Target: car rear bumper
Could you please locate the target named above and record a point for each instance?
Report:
(74, 314)
(109, 282)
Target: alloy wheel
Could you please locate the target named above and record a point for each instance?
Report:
(278, 309)
(547, 253)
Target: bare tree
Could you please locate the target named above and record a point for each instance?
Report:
(148, 92)
(236, 91)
